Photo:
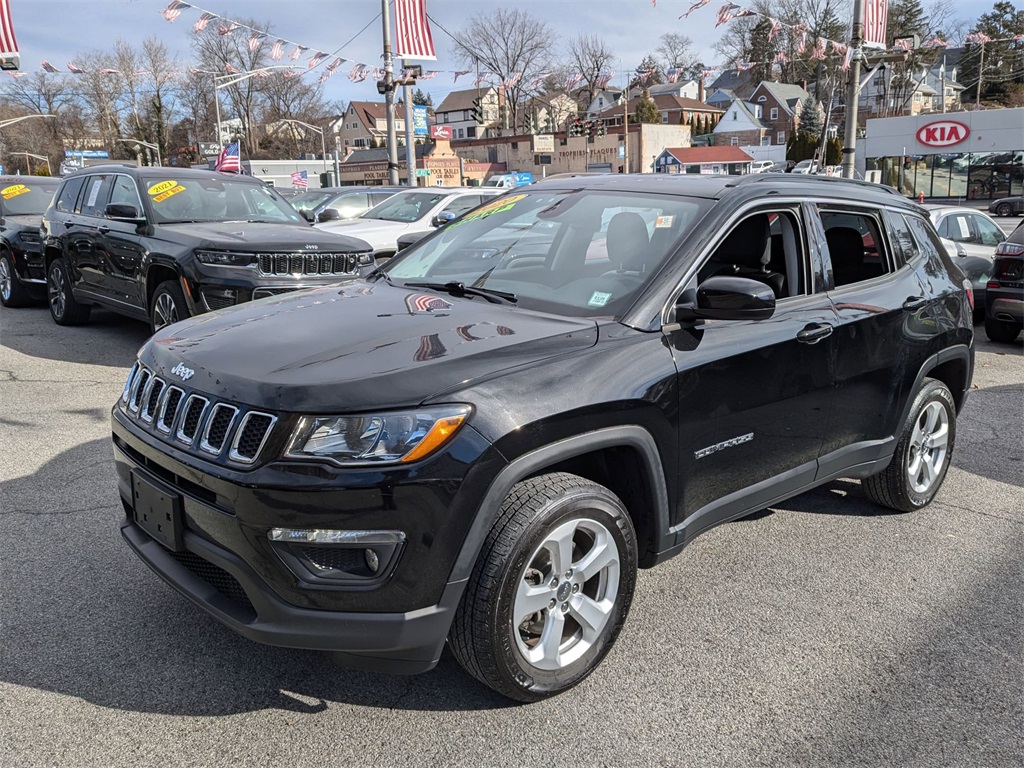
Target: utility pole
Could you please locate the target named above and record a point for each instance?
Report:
(410, 148)
(625, 126)
(981, 76)
(942, 80)
(853, 91)
(388, 86)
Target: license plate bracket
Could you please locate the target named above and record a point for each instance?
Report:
(158, 511)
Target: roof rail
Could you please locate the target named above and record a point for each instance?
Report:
(764, 178)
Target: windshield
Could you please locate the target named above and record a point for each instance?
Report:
(310, 201)
(582, 252)
(406, 206)
(215, 198)
(27, 198)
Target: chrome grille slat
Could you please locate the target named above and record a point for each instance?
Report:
(299, 264)
(129, 382)
(192, 417)
(218, 426)
(169, 409)
(251, 436)
(139, 390)
(152, 399)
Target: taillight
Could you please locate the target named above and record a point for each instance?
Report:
(970, 293)
(992, 284)
(1009, 249)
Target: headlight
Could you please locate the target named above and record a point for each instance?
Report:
(363, 259)
(226, 258)
(400, 437)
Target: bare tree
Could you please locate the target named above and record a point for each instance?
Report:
(41, 93)
(677, 52)
(507, 43)
(590, 56)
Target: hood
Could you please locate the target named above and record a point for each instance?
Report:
(241, 235)
(362, 346)
(378, 233)
(30, 221)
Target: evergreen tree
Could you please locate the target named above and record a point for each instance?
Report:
(762, 51)
(810, 117)
(648, 73)
(646, 110)
(422, 99)
(1003, 81)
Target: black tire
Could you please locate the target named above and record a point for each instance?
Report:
(12, 292)
(167, 305)
(63, 308)
(487, 638)
(1004, 209)
(1001, 331)
(893, 487)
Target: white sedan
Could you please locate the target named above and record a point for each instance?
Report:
(970, 237)
(414, 210)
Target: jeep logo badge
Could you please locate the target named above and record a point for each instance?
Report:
(182, 372)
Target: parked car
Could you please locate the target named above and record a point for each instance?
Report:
(482, 441)
(1007, 206)
(761, 166)
(509, 180)
(805, 167)
(777, 167)
(1004, 300)
(970, 238)
(162, 244)
(413, 210)
(337, 203)
(22, 272)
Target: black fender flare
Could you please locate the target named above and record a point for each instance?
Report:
(630, 435)
(959, 352)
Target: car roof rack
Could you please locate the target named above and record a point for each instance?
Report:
(766, 178)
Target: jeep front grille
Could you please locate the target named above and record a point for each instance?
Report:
(194, 422)
(299, 264)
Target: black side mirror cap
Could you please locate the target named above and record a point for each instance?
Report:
(123, 212)
(729, 298)
(328, 214)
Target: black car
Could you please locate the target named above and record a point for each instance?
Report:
(336, 203)
(560, 386)
(1007, 206)
(22, 271)
(1004, 296)
(162, 244)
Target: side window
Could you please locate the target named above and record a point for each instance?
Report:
(957, 227)
(96, 194)
(855, 246)
(767, 246)
(925, 237)
(69, 195)
(987, 232)
(351, 205)
(904, 247)
(461, 204)
(126, 193)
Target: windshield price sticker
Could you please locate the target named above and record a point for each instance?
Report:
(498, 206)
(663, 222)
(598, 299)
(14, 191)
(165, 189)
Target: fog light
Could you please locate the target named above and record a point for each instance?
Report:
(372, 561)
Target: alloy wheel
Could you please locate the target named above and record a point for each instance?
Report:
(928, 447)
(56, 290)
(565, 596)
(165, 311)
(6, 285)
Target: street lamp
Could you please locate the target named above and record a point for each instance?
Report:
(37, 157)
(323, 144)
(236, 77)
(13, 120)
(150, 146)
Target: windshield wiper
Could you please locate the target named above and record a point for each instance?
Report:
(455, 288)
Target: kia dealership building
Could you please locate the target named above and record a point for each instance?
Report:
(974, 155)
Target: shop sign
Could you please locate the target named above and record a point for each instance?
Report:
(441, 132)
(944, 133)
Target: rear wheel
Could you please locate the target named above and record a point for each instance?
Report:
(922, 455)
(167, 305)
(64, 309)
(1005, 209)
(550, 590)
(12, 292)
(1001, 331)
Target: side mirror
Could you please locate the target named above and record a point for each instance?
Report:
(442, 218)
(307, 215)
(729, 298)
(328, 214)
(123, 212)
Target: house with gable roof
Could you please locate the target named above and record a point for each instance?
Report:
(779, 105)
(743, 126)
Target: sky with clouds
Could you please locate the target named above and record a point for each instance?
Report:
(57, 30)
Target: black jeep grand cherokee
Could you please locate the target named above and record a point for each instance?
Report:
(483, 441)
(166, 243)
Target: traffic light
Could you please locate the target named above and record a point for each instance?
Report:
(478, 111)
(531, 122)
(575, 126)
(601, 130)
(906, 162)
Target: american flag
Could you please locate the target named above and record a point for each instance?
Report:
(8, 44)
(228, 159)
(300, 180)
(254, 41)
(75, 70)
(299, 50)
(277, 51)
(226, 29)
(173, 9)
(412, 31)
(49, 67)
(876, 14)
(203, 20)
(316, 58)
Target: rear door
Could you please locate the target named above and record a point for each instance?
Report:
(84, 251)
(880, 307)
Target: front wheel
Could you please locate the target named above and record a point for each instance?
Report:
(1001, 331)
(922, 455)
(167, 305)
(12, 292)
(1005, 209)
(64, 309)
(550, 590)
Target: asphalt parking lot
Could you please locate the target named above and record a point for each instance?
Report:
(822, 632)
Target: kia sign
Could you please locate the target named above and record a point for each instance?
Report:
(944, 133)
(441, 132)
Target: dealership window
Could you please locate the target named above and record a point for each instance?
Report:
(774, 113)
(974, 175)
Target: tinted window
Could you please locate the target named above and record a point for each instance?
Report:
(987, 232)
(351, 204)
(406, 206)
(904, 246)
(855, 246)
(26, 198)
(95, 195)
(69, 194)
(460, 205)
(126, 193)
(957, 227)
(925, 237)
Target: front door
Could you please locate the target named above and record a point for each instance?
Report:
(754, 396)
(122, 246)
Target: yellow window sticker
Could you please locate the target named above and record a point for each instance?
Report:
(498, 206)
(163, 186)
(14, 191)
(169, 193)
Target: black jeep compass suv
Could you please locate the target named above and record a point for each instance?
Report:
(163, 244)
(22, 202)
(565, 384)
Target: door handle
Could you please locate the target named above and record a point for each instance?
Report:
(914, 303)
(814, 333)
(104, 230)
(69, 224)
